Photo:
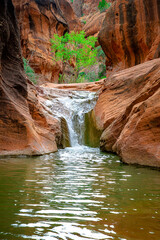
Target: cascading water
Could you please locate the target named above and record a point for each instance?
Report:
(72, 106)
(77, 193)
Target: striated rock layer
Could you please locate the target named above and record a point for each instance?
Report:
(131, 33)
(88, 86)
(128, 112)
(25, 126)
(94, 24)
(39, 20)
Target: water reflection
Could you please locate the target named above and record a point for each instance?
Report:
(78, 193)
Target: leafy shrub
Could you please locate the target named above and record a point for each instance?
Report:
(103, 5)
(84, 21)
(29, 71)
(102, 67)
(102, 71)
(87, 77)
(100, 53)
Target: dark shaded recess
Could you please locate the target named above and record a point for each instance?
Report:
(155, 122)
(121, 17)
(3, 8)
(149, 15)
(44, 2)
(65, 141)
(91, 134)
(133, 31)
(65, 32)
(10, 52)
(157, 53)
(127, 90)
(31, 23)
(56, 11)
(54, 6)
(123, 42)
(158, 7)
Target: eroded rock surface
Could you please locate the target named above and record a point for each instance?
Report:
(25, 126)
(94, 24)
(131, 33)
(39, 20)
(86, 7)
(88, 86)
(128, 110)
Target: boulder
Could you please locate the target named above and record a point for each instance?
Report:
(25, 126)
(128, 112)
(130, 34)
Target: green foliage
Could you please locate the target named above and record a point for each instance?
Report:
(103, 5)
(100, 52)
(84, 21)
(102, 71)
(29, 71)
(74, 49)
(91, 76)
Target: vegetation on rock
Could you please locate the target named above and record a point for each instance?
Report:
(29, 71)
(103, 5)
(78, 52)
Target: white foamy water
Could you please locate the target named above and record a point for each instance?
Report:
(77, 193)
(72, 105)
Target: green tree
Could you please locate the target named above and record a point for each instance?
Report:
(103, 5)
(75, 49)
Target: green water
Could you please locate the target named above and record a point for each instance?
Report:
(78, 194)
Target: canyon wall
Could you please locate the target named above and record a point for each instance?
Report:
(86, 7)
(130, 34)
(39, 20)
(25, 126)
(128, 108)
(94, 24)
(128, 112)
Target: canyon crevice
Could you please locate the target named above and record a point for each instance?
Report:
(39, 21)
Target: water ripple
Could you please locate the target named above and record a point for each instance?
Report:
(80, 194)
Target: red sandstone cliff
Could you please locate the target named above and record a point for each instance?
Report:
(131, 33)
(25, 126)
(128, 110)
(39, 20)
(94, 24)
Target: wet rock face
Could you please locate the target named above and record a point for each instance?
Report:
(131, 33)
(39, 20)
(24, 125)
(128, 110)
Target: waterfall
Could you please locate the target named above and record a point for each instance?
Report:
(72, 106)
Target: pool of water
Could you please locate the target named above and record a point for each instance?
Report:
(78, 193)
